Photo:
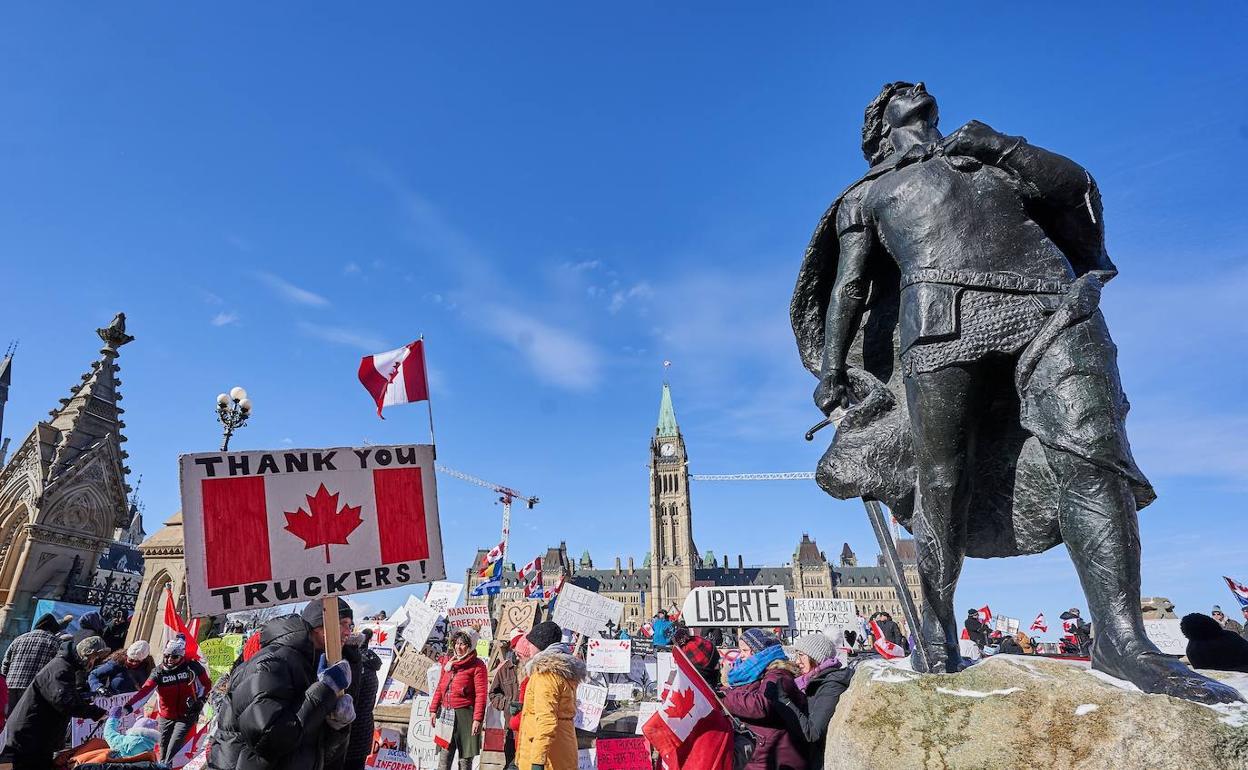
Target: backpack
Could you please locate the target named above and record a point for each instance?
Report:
(743, 744)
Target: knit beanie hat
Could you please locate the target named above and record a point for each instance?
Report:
(758, 640)
(139, 650)
(701, 653)
(545, 634)
(314, 612)
(176, 646)
(48, 622)
(147, 728)
(92, 645)
(817, 647)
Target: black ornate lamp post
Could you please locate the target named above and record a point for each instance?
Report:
(233, 409)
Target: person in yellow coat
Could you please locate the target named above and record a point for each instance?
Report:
(547, 737)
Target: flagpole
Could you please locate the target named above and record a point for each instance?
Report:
(428, 394)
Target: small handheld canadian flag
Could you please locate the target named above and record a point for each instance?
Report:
(691, 730)
(396, 376)
(883, 646)
(985, 614)
(1039, 624)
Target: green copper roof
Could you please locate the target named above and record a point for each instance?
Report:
(667, 415)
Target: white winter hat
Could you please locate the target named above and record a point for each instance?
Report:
(139, 650)
(176, 646)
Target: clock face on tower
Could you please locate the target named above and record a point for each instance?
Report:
(667, 450)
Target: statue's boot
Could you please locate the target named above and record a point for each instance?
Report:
(1099, 524)
(943, 656)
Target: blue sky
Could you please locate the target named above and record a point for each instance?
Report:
(561, 197)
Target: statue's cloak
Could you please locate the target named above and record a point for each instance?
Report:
(1014, 497)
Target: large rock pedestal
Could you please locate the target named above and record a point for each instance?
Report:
(1016, 711)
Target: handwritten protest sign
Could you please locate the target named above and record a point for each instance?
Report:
(412, 668)
(483, 649)
(591, 699)
(1166, 635)
(434, 675)
(642, 646)
(391, 759)
(622, 754)
(520, 614)
(420, 621)
(741, 607)
(273, 527)
(824, 616)
(392, 692)
(220, 654)
(585, 611)
(665, 666)
(420, 746)
(443, 595)
(469, 616)
(620, 691)
(81, 729)
(611, 656)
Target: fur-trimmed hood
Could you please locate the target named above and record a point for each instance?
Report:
(784, 665)
(555, 661)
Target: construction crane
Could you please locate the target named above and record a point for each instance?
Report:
(788, 476)
(506, 496)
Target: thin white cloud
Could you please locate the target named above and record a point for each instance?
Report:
(290, 292)
(224, 318)
(623, 297)
(350, 268)
(342, 336)
(555, 355)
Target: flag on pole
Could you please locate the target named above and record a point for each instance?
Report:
(488, 587)
(1239, 589)
(1039, 624)
(396, 376)
(691, 730)
(174, 626)
(985, 615)
(531, 573)
(493, 562)
(883, 646)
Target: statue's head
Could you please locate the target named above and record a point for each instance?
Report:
(897, 104)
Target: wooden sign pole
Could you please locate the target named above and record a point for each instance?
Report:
(333, 633)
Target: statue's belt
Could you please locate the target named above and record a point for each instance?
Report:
(991, 281)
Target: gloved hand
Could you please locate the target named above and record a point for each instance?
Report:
(115, 712)
(343, 713)
(337, 676)
(104, 692)
(127, 709)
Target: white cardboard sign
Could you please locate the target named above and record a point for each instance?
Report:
(591, 699)
(611, 656)
(443, 595)
(469, 616)
(1166, 635)
(585, 612)
(274, 527)
(825, 616)
(420, 622)
(736, 606)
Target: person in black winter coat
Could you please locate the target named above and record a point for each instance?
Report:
(891, 631)
(38, 723)
(90, 624)
(1211, 646)
(361, 742)
(276, 705)
(823, 681)
(975, 629)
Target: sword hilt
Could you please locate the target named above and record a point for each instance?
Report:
(825, 422)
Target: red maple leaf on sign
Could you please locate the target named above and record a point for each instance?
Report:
(680, 704)
(325, 525)
(382, 636)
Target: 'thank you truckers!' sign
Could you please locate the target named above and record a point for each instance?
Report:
(265, 528)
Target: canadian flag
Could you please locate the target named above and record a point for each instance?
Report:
(1239, 589)
(883, 646)
(396, 376)
(174, 627)
(531, 573)
(985, 615)
(1039, 624)
(690, 730)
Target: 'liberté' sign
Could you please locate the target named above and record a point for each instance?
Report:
(272, 527)
(737, 606)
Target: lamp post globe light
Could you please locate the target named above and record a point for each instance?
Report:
(233, 409)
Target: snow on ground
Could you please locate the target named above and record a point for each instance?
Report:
(977, 693)
(1086, 708)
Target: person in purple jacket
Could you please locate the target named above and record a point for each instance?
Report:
(755, 684)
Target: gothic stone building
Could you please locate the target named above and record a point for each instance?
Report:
(63, 491)
(674, 564)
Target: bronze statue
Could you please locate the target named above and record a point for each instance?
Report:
(949, 302)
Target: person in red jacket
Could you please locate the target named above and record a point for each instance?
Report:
(182, 685)
(463, 687)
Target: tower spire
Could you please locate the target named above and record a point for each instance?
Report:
(667, 415)
(6, 375)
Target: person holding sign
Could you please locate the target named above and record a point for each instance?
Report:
(462, 688)
(278, 703)
(547, 735)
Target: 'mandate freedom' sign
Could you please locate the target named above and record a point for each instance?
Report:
(740, 607)
(265, 528)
